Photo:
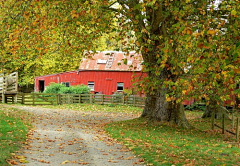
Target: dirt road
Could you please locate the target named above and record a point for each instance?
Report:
(73, 138)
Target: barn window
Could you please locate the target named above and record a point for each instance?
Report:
(120, 86)
(91, 85)
(67, 84)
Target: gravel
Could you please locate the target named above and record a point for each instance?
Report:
(66, 137)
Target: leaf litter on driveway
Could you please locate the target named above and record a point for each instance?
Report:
(66, 137)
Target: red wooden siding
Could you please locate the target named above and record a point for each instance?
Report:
(104, 81)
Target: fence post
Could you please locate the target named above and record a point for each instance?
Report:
(134, 100)
(68, 98)
(223, 123)
(237, 129)
(213, 119)
(23, 96)
(33, 98)
(112, 99)
(57, 99)
(4, 88)
(232, 120)
(15, 99)
(102, 98)
(90, 99)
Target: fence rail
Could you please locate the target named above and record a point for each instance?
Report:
(226, 127)
(37, 99)
(51, 99)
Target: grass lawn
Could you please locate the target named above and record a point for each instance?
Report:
(98, 108)
(14, 126)
(164, 145)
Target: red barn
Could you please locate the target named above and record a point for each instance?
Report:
(103, 72)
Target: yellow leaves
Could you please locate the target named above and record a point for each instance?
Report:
(187, 1)
(184, 92)
(65, 162)
(178, 100)
(162, 65)
(74, 15)
(168, 99)
(233, 12)
(212, 32)
(21, 159)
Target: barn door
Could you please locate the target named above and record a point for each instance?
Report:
(41, 85)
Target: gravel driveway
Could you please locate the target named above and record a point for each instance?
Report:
(73, 138)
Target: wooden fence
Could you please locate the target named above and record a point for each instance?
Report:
(232, 128)
(37, 99)
(8, 86)
(51, 99)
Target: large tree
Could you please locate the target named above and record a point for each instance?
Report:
(45, 37)
(174, 37)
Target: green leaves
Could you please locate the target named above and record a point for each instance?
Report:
(60, 88)
(42, 37)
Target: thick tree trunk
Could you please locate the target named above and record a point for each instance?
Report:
(178, 115)
(218, 110)
(157, 109)
(150, 105)
(161, 112)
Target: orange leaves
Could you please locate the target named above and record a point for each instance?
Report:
(44, 161)
(112, 161)
(202, 45)
(237, 71)
(187, 31)
(12, 162)
(83, 163)
(212, 32)
(74, 14)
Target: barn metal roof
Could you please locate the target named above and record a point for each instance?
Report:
(112, 61)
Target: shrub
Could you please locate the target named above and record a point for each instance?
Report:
(195, 106)
(61, 89)
(54, 88)
(81, 89)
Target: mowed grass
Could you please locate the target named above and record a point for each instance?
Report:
(98, 108)
(14, 126)
(170, 145)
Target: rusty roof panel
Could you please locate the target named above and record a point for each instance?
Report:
(112, 60)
